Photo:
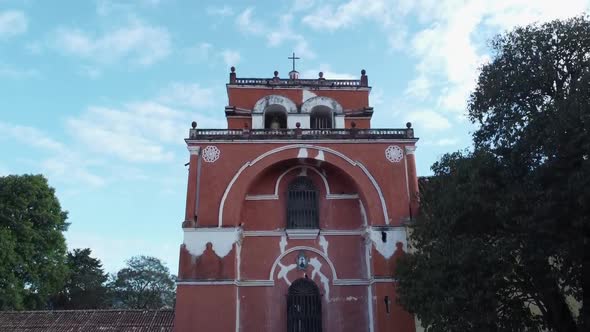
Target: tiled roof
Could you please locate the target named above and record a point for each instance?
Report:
(87, 321)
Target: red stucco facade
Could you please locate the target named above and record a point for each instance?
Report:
(239, 258)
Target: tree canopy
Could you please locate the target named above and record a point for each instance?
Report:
(146, 283)
(85, 286)
(502, 240)
(32, 245)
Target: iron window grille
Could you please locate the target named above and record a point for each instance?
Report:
(302, 204)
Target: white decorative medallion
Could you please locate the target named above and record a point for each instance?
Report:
(211, 154)
(394, 153)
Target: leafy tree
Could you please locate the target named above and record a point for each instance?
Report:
(85, 286)
(502, 242)
(32, 245)
(146, 283)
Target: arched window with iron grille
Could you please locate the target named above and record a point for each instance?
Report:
(302, 204)
(321, 118)
(304, 307)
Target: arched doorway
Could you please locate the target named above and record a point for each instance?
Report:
(304, 307)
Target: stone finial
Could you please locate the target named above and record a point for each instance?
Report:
(409, 130)
(193, 132)
(276, 73)
(232, 75)
(321, 74)
(298, 124)
(364, 78)
(353, 124)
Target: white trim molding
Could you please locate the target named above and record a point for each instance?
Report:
(193, 149)
(342, 196)
(263, 233)
(327, 232)
(410, 149)
(254, 283)
(263, 197)
(206, 282)
(343, 232)
(303, 234)
(271, 283)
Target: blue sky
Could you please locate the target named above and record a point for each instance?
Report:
(98, 95)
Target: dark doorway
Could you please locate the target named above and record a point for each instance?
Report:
(304, 307)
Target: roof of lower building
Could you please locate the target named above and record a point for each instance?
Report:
(87, 321)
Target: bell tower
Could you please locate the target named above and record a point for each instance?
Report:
(295, 212)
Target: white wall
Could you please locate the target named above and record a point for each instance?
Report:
(292, 120)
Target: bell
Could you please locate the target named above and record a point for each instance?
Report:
(275, 124)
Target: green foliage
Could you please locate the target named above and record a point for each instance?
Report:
(505, 229)
(146, 283)
(85, 286)
(32, 246)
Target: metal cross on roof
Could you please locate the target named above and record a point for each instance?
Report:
(293, 58)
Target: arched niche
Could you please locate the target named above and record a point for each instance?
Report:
(336, 202)
(367, 188)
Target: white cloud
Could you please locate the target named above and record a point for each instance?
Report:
(452, 47)
(345, 15)
(108, 7)
(427, 119)
(230, 57)
(223, 11)
(8, 71)
(187, 95)
(199, 52)
(386, 13)
(90, 72)
(62, 163)
(144, 131)
(136, 134)
(446, 142)
(12, 23)
(247, 24)
(328, 73)
(34, 47)
(70, 167)
(30, 136)
(285, 34)
(300, 5)
(448, 41)
(419, 87)
(139, 43)
(275, 36)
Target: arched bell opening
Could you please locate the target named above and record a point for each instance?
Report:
(275, 117)
(321, 117)
(304, 307)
